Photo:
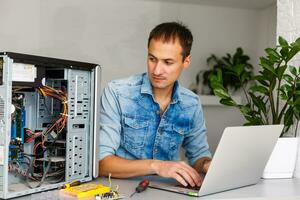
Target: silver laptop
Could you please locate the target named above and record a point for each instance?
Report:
(239, 160)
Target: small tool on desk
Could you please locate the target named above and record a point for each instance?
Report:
(71, 184)
(141, 187)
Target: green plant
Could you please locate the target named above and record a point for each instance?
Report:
(275, 96)
(227, 64)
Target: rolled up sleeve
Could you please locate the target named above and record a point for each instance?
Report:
(110, 122)
(195, 142)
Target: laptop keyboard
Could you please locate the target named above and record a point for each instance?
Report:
(189, 187)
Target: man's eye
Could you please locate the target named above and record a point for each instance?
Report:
(168, 63)
(152, 59)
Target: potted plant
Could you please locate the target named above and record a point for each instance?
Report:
(225, 64)
(274, 98)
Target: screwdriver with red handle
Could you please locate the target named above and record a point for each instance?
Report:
(141, 187)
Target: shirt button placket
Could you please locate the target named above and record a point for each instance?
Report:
(159, 131)
(155, 150)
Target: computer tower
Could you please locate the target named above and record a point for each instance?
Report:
(48, 122)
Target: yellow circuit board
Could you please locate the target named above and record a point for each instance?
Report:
(87, 190)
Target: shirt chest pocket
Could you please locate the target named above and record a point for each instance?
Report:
(134, 133)
(175, 138)
(178, 134)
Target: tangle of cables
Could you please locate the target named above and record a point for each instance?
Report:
(26, 166)
(60, 123)
(61, 96)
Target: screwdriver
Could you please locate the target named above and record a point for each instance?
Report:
(72, 184)
(141, 187)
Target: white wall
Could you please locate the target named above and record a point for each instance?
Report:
(267, 24)
(114, 34)
(288, 26)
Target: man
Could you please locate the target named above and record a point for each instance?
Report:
(146, 118)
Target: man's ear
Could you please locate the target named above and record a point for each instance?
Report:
(187, 62)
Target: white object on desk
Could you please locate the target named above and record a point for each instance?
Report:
(297, 170)
(282, 160)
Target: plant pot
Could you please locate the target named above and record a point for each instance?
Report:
(282, 161)
(297, 170)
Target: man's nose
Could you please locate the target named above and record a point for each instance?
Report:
(158, 68)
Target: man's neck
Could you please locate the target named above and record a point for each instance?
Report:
(163, 96)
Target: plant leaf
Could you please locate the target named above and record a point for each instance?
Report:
(293, 70)
(246, 77)
(262, 80)
(296, 110)
(260, 89)
(258, 102)
(253, 120)
(288, 78)
(282, 41)
(239, 69)
(283, 96)
(221, 93)
(288, 117)
(295, 49)
(284, 52)
(245, 110)
(297, 41)
(272, 52)
(227, 102)
(219, 75)
(280, 71)
(267, 65)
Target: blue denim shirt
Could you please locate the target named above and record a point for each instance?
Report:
(132, 128)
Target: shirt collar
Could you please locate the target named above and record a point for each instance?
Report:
(146, 88)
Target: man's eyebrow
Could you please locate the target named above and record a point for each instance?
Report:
(149, 54)
(169, 59)
(166, 59)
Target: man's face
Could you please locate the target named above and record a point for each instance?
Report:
(165, 63)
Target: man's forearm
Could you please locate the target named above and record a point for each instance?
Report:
(124, 168)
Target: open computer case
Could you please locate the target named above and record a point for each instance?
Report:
(48, 122)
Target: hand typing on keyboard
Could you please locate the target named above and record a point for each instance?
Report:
(189, 187)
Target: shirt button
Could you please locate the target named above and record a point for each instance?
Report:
(159, 130)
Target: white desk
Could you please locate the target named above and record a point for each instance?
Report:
(265, 189)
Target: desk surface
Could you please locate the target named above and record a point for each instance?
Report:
(265, 189)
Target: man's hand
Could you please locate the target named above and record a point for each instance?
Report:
(206, 166)
(202, 165)
(179, 170)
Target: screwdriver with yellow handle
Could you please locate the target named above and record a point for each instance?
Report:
(71, 184)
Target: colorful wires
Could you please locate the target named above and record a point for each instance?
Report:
(31, 135)
(39, 148)
(60, 123)
(62, 97)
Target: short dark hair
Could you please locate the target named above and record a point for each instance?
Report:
(171, 31)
